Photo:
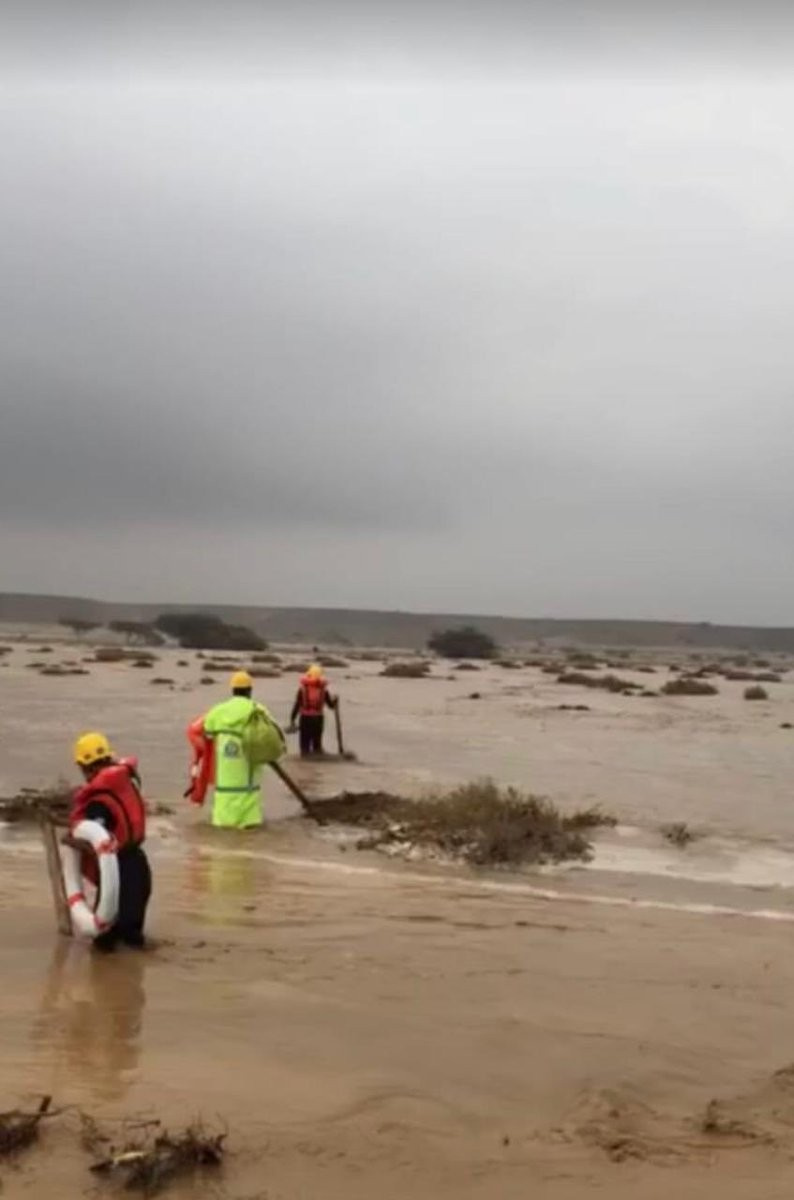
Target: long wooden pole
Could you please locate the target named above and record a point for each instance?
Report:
(297, 792)
(49, 836)
(338, 719)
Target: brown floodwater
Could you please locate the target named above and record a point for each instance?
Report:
(360, 1024)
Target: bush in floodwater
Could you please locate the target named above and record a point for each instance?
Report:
(463, 642)
(406, 670)
(61, 670)
(581, 661)
(687, 686)
(331, 662)
(202, 631)
(678, 833)
(478, 823)
(110, 654)
(608, 683)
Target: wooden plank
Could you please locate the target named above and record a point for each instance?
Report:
(49, 836)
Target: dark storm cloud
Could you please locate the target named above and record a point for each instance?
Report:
(251, 36)
(364, 299)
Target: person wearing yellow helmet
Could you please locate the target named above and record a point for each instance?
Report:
(312, 698)
(111, 795)
(237, 795)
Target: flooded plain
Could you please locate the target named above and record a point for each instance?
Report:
(365, 1024)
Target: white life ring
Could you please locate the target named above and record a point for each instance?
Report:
(88, 921)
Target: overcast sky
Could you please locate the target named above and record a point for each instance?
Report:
(467, 312)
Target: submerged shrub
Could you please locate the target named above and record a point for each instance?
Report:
(687, 686)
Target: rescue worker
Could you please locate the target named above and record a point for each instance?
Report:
(112, 796)
(311, 700)
(237, 802)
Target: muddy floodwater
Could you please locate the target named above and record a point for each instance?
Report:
(366, 1025)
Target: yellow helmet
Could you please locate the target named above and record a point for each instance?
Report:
(240, 679)
(315, 671)
(91, 748)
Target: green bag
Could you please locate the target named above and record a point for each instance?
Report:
(262, 739)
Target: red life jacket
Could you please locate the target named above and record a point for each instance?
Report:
(312, 696)
(117, 787)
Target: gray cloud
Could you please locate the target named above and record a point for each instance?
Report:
(489, 341)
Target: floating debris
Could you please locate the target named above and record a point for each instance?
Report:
(30, 803)
(20, 1129)
(55, 802)
(150, 1168)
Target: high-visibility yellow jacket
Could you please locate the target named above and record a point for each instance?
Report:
(237, 802)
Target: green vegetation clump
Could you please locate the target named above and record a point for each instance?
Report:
(407, 670)
(463, 642)
(110, 654)
(220, 664)
(78, 625)
(607, 683)
(752, 676)
(756, 692)
(688, 686)
(580, 661)
(137, 633)
(118, 654)
(60, 669)
(478, 823)
(201, 631)
(678, 834)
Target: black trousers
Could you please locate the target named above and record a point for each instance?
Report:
(310, 729)
(135, 889)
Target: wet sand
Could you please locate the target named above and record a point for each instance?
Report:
(362, 1025)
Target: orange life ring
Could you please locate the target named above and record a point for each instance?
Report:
(202, 767)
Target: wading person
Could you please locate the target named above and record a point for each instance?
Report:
(111, 795)
(312, 698)
(231, 745)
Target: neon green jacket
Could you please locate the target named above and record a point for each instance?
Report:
(237, 800)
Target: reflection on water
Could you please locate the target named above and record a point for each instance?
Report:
(91, 1017)
(223, 886)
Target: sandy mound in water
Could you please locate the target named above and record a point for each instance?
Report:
(479, 824)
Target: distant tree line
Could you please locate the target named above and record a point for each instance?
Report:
(78, 625)
(137, 633)
(192, 631)
(200, 631)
